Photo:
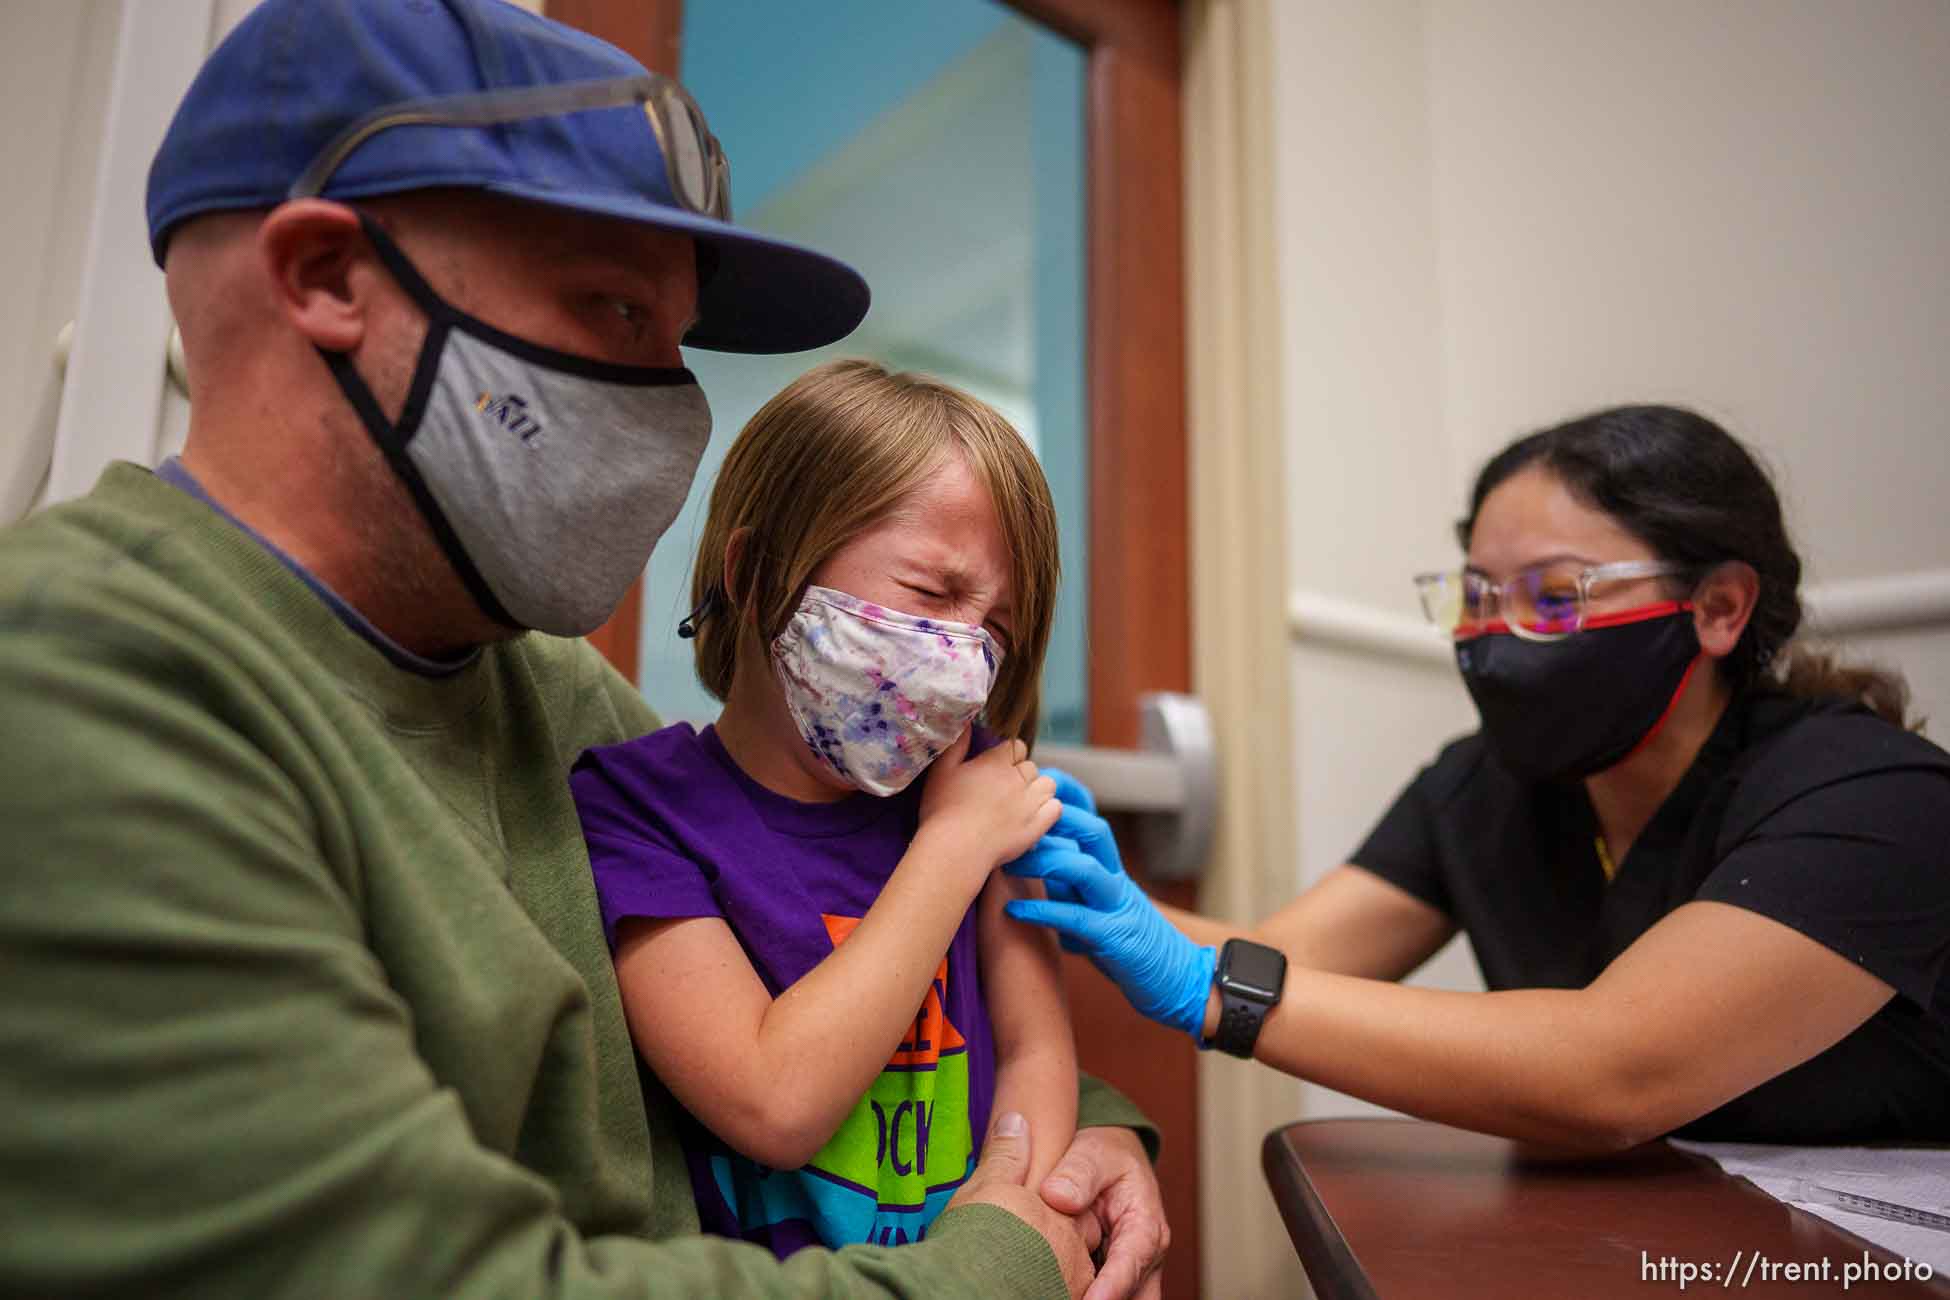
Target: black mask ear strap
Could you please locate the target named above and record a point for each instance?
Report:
(438, 311)
(688, 627)
(393, 443)
(393, 437)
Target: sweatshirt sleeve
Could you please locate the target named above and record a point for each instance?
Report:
(208, 1085)
(1101, 1106)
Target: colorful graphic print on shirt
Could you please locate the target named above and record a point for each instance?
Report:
(897, 1158)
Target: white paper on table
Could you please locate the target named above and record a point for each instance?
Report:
(1915, 1177)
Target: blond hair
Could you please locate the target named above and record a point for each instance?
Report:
(834, 453)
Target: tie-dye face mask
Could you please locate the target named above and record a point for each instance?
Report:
(877, 694)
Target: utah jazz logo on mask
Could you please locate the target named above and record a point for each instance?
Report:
(511, 412)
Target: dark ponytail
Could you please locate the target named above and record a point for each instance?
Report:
(1688, 489)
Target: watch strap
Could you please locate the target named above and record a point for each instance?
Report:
(1241, 1013)
(1239, 1022)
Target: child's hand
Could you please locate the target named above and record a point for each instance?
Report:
(986, 810)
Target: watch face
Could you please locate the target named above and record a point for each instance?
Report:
(1254, 970)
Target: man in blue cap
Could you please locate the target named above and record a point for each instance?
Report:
(307, 992)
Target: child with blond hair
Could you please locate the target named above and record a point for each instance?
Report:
(803, 899)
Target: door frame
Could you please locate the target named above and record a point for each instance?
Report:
(1139, 557)
(1140, 636)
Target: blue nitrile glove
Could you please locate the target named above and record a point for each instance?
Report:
(1100, 912)
(1075, 794)
(1070, 790)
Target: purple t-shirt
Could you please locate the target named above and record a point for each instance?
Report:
(676, 829)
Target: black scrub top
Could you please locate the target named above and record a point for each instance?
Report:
(1816, 814)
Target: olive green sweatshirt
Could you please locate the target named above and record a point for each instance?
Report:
(303, 990)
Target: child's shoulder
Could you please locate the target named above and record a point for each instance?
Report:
(673, 758)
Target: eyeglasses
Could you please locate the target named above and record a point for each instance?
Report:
(1546, 602)
(698, 175)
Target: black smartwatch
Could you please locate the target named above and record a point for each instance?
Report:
(1250, 978)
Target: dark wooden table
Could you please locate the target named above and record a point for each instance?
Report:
(1400, 1210)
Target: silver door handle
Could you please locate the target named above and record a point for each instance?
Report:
(1171, 784)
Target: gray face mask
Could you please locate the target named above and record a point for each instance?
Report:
(546, 477)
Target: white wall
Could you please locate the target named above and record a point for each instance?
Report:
(1738, 205)
(1494, 214)
(89, 87)
(57, 62)
(1371, 477)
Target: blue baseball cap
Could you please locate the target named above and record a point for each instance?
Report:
(297, 88)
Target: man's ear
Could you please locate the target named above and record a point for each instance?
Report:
(314, 255)
(1722, 605)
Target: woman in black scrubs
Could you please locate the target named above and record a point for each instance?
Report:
(1706, 874)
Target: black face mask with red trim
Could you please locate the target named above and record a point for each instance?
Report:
(1562, 710)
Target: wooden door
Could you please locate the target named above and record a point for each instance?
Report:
(1139, 616)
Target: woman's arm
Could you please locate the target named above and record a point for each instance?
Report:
(708, 1027)
(1350, 922)
(1707, 1004)
(1035, 1055)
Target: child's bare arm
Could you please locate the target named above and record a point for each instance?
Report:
(775, 1078)
(1035, 1055)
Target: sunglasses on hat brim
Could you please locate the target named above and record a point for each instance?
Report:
(695, 168)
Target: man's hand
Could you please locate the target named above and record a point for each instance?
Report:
(998, 1180)
(1106, 1177)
